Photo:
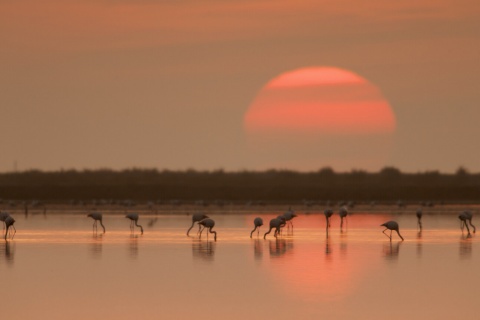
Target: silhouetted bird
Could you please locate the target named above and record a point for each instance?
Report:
(289, 215)
(134, 221)
(464, 217)
(391, 225)
(197, 217)
(328, 213)
(9, 221)
(97, 217)
(419, 218)
(257, 222)
(343, 212)
(209, 224)
(4, 215)
(274, 223)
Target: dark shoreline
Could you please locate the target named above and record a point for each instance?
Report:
(218, 187)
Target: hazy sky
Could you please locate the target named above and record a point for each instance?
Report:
(166, 84)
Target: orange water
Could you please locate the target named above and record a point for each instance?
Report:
(57, 268)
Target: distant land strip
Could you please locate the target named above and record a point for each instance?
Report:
(389, 184)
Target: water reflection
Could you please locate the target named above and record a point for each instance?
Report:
(343, 242)
(391, 250)
(328, 246)
(465, 249)
(96, 246)
(279, 246)
(258, 249)
(8, 251)
(203, 250)
(419, 243)
(133, 246)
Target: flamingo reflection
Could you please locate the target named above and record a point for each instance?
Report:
(133, 246)
(391, 250)
(277, 247)
(258, 249)
(96, 245)
(465, 249)
(204, 250)
(8, 252)
(328, 247)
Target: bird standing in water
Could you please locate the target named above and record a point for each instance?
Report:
(289, 215)
(274, 223)
(257, 222)
(9, 221)
(209, 224)
(134, 221)
(464, 217)
(343, 214)
(97, 217)
(419, 218)
(328, 213)
(197, 217)
(3, 216)
(391, 225)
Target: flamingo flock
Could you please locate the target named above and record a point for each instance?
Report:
(206, 223)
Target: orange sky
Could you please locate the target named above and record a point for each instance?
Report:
(88, 84)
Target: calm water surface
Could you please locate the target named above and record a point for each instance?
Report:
(56, 268)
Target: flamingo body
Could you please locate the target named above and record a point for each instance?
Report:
(97, 217)
(197, 217)
(209, 224)
(391, 225)
(134, 221)
(257, 222)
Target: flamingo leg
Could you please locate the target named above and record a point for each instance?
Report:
(385, 233)
(269, 230)
(474, 229)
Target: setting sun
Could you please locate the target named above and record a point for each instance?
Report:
(318, 111)
(320, 99)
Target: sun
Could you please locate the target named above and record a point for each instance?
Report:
(319, 116)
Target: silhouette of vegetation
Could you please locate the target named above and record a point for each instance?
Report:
(389, 184)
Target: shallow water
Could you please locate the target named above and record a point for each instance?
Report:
(57, 268)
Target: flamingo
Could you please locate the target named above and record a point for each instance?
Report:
(464, 217)
(208, 223)
(97, 217)
(391, 225)
(343, 214)
(328, 213)
(9, 221)
(4, 215)
(289, 215)
(257, 222)
(197, 217)
(134, 221)
(419, 218)
(274, 223)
